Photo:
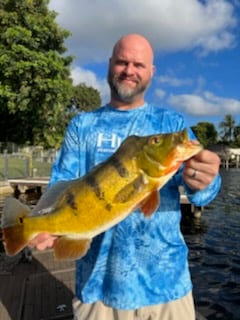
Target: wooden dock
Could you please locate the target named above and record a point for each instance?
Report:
(41, 289)
(28, 185)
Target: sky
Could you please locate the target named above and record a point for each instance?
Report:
(196, 45)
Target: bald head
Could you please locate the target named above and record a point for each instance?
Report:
(134, 41)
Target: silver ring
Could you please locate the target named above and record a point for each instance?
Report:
(194, 174)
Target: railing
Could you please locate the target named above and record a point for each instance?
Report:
(230, 157)
(25, 164)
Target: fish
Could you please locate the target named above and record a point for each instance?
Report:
(78, 210)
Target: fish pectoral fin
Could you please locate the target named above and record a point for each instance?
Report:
(71, 249)
(131, 189)
(150, 204)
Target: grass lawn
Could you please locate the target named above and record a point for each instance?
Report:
(20, 167)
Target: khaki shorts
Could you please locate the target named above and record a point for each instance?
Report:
(181, 309)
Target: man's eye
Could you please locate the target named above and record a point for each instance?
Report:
(121, 63)
(139, 66)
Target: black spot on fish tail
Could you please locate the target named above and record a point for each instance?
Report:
(20, 220)
(92, 182)
(119, 166)
(70, 199)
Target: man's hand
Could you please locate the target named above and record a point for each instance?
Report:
(42, 241)
(201, 169)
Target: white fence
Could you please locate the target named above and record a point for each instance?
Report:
(28, 161)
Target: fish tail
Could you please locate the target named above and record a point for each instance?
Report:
(13, 216)
(14, 240)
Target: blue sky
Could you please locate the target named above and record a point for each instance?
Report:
(196, 45)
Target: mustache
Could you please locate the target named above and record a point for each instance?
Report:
(124, 76)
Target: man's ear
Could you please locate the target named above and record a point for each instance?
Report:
(153, 71)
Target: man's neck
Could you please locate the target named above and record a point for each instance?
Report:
(126, 106)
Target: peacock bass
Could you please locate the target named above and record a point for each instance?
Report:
(78, 210)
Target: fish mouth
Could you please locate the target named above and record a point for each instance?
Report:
(188, 147)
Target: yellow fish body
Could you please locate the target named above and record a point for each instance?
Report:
(80, 209)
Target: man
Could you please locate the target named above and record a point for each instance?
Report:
(137, 269)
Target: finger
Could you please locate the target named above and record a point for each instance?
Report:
(191, 172)
(197, 179)
(207, 157)
(49, 243)
(194, 183)
(42, 241)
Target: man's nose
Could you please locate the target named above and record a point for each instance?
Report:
(129, 68)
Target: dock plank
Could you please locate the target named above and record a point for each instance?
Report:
(35, 290)
(11, 293)
(49, 296)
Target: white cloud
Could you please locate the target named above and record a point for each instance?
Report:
(206, 104)
(160, 93)
(169, 24)
(89, 78)
(173, 81)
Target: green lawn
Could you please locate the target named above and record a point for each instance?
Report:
(21, 167)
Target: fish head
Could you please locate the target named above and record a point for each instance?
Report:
(164, 153)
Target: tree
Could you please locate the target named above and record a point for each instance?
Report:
(227, 128)
(35, 86)
(86, 98)
(206, 133)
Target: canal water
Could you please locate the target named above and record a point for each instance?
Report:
(214, 252)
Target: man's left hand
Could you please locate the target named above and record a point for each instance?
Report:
(201, 169)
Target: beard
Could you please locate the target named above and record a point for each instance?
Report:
(123, 92)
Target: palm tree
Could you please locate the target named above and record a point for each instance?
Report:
(227, 128)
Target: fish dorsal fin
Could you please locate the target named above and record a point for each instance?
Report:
(48, 199)
(71, 249)
(12, 210)
(150, 204)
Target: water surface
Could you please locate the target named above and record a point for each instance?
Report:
(214, 243)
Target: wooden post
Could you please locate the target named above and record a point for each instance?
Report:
(227, 163)
(5, 165)
(27, 172)
(197, 211)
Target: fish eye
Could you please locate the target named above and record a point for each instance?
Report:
(155, 140)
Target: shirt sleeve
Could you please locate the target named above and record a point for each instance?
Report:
(205, 196)
(67, 163)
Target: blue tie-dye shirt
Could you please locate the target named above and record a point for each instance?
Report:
(141, 261)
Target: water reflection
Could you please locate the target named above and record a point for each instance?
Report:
(214, 252)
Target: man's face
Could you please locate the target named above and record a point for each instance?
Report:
(130, 72)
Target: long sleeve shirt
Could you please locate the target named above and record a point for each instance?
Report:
(142, 260)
